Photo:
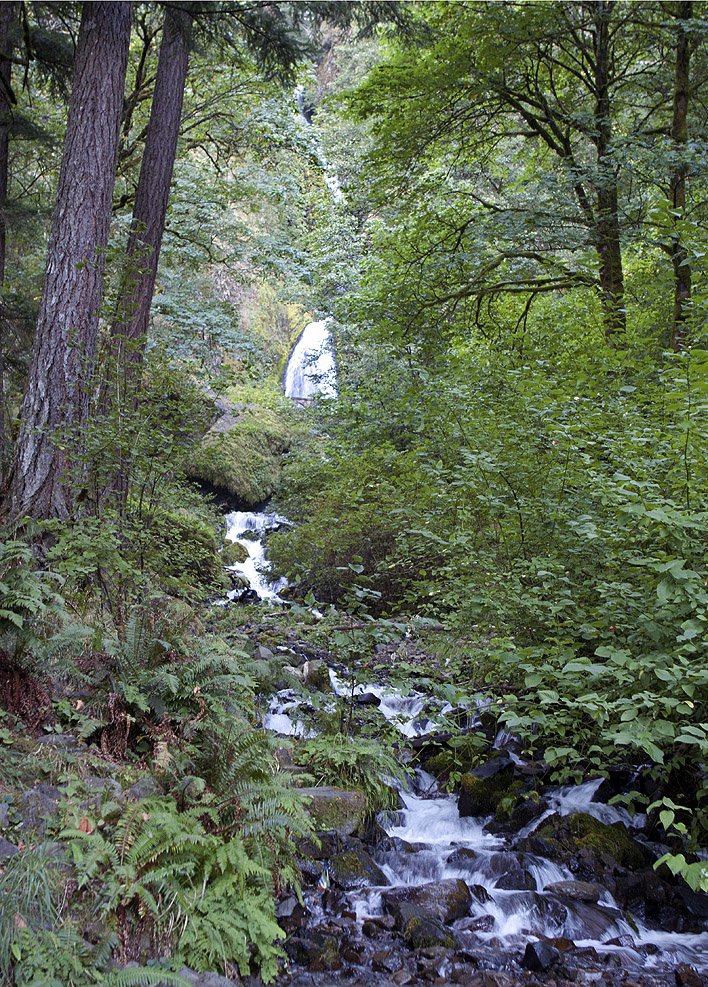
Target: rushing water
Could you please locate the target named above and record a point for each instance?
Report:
(247, 528)
(311, 369)
(514, 899)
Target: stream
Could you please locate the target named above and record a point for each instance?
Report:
(441, 895)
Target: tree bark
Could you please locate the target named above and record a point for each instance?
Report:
(57, 396)
(7, 12)
(679, 133)
(607, 232)
(130, 323)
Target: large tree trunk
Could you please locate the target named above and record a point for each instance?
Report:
(56, 399)
(130, 325)
(607, 231)
(679, 132)
(7, 12)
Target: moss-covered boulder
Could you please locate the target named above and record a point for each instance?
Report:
(600, 845)
(233, 553)
(355, 869)
(332, 809)
(483, 796)
(241, 454)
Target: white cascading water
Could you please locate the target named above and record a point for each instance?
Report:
(255, 567)
(437, 843)
(311, 369)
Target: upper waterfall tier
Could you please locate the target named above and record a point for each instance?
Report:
(311, 369)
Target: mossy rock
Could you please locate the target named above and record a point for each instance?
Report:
(332, 809)
(241, 454)
(355, 869)
(482, 796)
(423, 932)
(610, 839)
(233, 553)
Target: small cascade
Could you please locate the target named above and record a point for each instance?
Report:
(311, 369)
(248, 528)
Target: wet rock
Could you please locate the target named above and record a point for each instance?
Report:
(577, 890)
(625, 941)
(317, 951)
(335, 810)
(420, 930)
(687, 976)
(463, 856)
(596, 845)
(484, 923)
(501, 763)
(7, 850)
(367, 699)
(323, 848)
(354, 869)
(445, 900)
(291, 913)
(516, 880)
(696, 903)
(491, 978)
(480, 893)
(385, 961)
(539, 956)
(483, 788)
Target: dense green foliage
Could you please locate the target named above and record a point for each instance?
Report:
(517, 457)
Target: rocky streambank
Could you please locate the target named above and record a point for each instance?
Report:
(509, 880)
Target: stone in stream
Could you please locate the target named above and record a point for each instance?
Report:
(483, 788)
(420, 930)
(354, 869)
(686, 976)
(443, 901)
(539, 956)
(577, 890)
(333, 809)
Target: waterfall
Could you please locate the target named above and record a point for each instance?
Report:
(311, 369)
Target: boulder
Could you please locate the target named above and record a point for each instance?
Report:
(576, 890)
(7, 850)
(332, 809)
(483, 788)
(38, 805)
(444, 901)
(421, 931)
(539, 956)
(354, 869)
(241, 454)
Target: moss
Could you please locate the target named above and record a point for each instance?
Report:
(333, 809)
(613, 840)
(241, 454)
(421, 932)
(481, 796)
(233, 553)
